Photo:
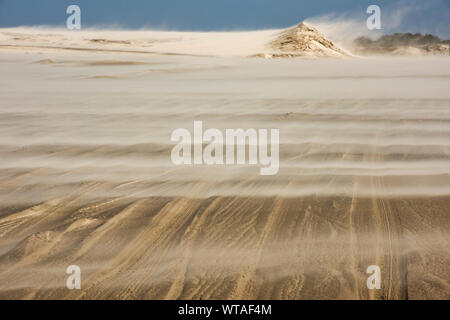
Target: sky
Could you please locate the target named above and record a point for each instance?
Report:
(425, 16)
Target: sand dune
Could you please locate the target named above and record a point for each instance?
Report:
(159, 42)
(302, 40)
(86, 176)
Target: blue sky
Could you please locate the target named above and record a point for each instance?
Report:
(417, 16)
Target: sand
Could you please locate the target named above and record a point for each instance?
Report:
(301, 40)
(86, 177)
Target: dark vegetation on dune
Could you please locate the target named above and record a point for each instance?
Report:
(398, 42)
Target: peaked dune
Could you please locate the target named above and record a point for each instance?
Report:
(304, 40)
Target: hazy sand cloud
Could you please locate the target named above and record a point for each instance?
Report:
(400, 16)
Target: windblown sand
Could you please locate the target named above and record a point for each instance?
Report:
(86, 177)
